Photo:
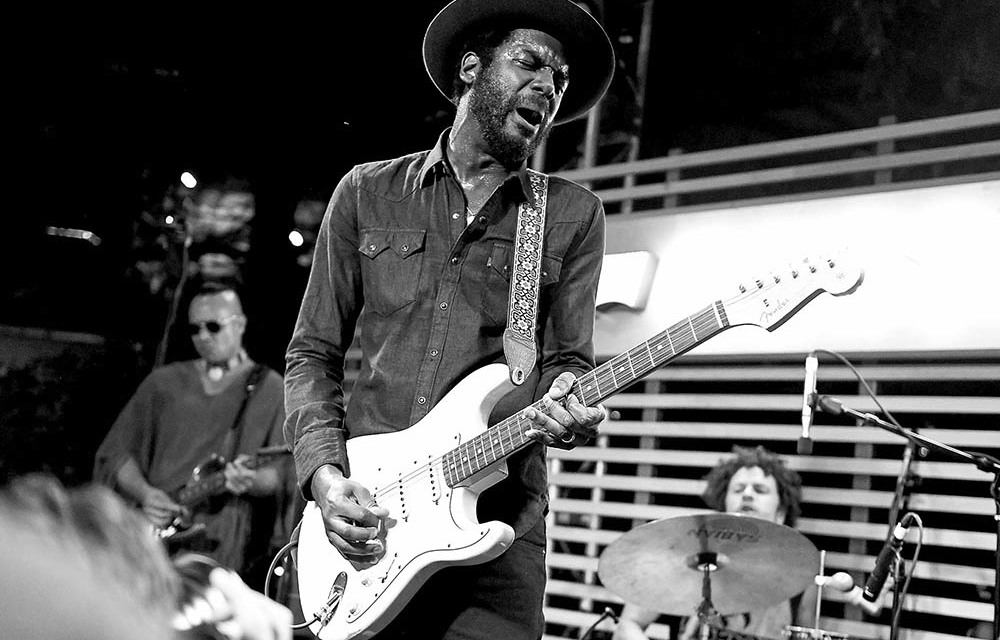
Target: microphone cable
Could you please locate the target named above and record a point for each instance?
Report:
(864, 383)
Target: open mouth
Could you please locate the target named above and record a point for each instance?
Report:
(532, 117)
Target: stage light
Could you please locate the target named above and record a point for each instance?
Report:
(169, 219)
(188, 180)
(295, 237)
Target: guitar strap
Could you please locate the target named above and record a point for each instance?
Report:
(522, 314)
(234, 433)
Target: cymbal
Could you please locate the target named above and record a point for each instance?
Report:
(757, 563)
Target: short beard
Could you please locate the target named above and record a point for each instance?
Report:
(490, 106)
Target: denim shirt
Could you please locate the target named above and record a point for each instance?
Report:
(429, 293)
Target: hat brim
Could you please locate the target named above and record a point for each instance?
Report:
(587, 47)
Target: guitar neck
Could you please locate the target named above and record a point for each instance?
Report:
(508, 436)
(215, 483)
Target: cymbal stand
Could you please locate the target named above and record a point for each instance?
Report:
(819, 590)
(706, 563)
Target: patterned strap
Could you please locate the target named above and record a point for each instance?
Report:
(519, 336)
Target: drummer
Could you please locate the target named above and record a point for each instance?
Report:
(754, 482)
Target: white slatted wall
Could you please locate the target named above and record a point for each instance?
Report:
(679, 422)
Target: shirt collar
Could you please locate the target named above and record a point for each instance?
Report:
(437, 159)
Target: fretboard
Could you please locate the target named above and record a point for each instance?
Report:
(508, 436)
(214, 483)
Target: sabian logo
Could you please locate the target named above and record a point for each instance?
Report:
(725, 534)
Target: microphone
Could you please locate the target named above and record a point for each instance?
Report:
(805, 445)
(883, 563)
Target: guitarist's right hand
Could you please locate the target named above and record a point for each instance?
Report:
(159, 507)
(352, 519)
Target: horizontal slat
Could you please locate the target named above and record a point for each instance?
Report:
(959, 405)
(734, 200)
(618, 509)
(583, 620)
(769, 431)
(580, 590)
(870, 630)
(951, 573)
(828, 372)
(815, 495)
(814, 464)
(670, 486)
(873, 531)
(835, 561)
(789, 147)
(802, 172)
(571, 561)
(815, 526)
(583, 534)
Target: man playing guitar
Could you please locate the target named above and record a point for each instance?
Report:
(185, 411)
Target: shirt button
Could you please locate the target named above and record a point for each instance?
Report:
(421, 400)
(482, 219)
(455, 215)
(443, 305)
(371, 247)
(434, 352)
(454, 260)
(405, 248)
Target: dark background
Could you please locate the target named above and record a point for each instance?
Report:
(116, 104)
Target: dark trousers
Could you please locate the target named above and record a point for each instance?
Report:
(498, 600)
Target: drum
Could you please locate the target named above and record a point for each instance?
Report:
(792, 632)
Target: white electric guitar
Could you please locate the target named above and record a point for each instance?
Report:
(430, 475)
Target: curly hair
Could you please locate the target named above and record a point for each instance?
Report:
(787, 480)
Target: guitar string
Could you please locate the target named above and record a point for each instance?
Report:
(706, 322)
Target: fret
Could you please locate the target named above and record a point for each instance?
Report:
(491, 436)
(705, 321)
(630, 372)
(450, 473)
(670, 342)
(588, 389)
(631, 364)
(681, 336)
(718, 318)
(611, 370)
(694, 332)
(480, 451)
(649, 354)
(466, 463)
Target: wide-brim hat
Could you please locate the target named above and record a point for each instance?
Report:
(588, 49)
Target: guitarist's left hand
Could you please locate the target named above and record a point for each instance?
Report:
(566, 422)
(239, 477)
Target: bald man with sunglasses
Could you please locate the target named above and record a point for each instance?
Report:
(185, 411)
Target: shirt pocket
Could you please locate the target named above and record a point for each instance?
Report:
(496, 293)
(391, 267)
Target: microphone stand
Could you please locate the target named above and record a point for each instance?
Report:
(981, 461)
(900, 503)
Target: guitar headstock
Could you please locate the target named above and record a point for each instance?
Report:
(772, 298)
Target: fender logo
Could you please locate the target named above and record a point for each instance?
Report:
(773, 310)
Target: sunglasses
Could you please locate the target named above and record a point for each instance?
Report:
(212, 326)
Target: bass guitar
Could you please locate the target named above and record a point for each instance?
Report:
(430, 475)
(207, 481)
